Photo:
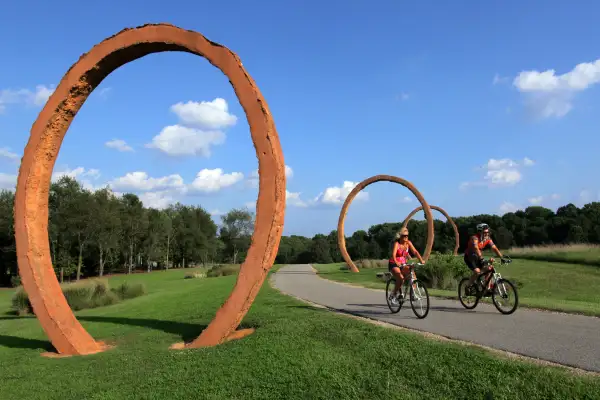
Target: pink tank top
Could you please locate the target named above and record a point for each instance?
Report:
(401, 255)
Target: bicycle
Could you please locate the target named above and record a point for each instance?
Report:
(418, 293)
(499, 291)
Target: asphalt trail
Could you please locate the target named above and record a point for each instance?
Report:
(572, 340)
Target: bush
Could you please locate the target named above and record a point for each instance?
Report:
(443, 271)
(195, 275)
(369, 264)
(15, 281)
(20, 302)
(130, 290)
(84, 294)
(223, 270)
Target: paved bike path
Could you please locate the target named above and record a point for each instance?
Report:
(572, 340)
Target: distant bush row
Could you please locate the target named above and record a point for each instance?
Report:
(84, 294)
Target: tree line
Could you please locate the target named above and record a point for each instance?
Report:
(93, 233)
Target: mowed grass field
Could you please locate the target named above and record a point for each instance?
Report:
(297, 352)
(575, 254)
(557, 286)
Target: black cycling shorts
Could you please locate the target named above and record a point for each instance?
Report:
(473, 261)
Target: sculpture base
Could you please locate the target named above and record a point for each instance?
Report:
(103, 347)
(239, 334)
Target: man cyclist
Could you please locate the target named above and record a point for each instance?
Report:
(473, 257)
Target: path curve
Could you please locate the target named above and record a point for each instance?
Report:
(572, 340)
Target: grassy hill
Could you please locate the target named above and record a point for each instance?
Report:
(297, 351)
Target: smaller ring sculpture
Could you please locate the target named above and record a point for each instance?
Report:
(441, 210)
(357, 190)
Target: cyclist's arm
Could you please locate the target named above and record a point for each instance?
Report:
(475, 244)
(415, 252)
(496, 250)
(394, 250)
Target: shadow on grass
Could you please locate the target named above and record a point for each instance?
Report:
(186, 331)
(24, 343)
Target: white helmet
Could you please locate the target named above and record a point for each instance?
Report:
(482, 227)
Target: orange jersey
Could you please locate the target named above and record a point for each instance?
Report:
(480, 244)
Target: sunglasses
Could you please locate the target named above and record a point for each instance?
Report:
(403, 236)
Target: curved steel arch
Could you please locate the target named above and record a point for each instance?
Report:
(357, 189)
(47, 133)
(441, 210)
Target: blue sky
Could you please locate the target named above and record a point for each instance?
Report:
(484, 107)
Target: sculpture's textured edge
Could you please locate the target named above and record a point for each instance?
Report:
(47, 133)
(441, 210)
(357, 189)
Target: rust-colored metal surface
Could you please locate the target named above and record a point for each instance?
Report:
(361, 186)
(441, 210)
(47, 133)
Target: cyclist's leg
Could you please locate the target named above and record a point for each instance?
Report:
(472, 264)
(397, 273)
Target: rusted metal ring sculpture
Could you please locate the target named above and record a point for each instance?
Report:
(358, 189)
(31, 203)
(450, 220)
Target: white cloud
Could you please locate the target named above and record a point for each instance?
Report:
(206, 114)
(119, 145)
(585, 196)
(293, 199)
(406, 199)
(8, 181)
(550, 95)
(140, 181)
(555, 196)
(499, 79)
(503, 176)
(42, 94)
(528, 162)
(403, 96)
(35, 97)
(536, 201)
(507, 207)
(104, 92)
(253, 177)
(213, 180)
(85, 177)
(216, 213)
(500, 172)
(178, 140)
(158, 200)
(336, 195)
(6, 153)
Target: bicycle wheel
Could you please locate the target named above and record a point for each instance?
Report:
(419, 299)
(389, 289)
(468, 298)
(502, 294)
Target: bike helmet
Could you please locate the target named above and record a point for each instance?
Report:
(481, 227)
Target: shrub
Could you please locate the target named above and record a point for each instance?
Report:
(223, 270)
(130, 290)
(195, 275)
(84, 294)
(20, 302)
(443, 271)
(15, 281)
(369, 264)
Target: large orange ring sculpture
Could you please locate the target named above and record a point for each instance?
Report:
(441, 210)
(358, 189)
(31, 202)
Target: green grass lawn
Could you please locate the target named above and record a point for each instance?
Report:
(547, 285)
(296, 352)
(575, 253)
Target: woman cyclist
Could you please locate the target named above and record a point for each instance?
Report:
(397, 263)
